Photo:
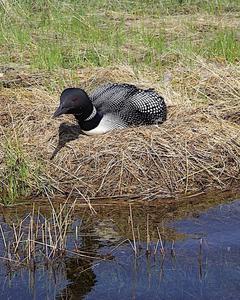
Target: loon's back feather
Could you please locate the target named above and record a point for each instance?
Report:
(133, 105)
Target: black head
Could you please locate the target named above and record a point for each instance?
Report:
(74, 101)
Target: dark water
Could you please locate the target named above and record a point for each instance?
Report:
(204, 264)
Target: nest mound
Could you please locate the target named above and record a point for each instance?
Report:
(191, 154)
(196, 149)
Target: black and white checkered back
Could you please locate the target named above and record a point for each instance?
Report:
(133, 105)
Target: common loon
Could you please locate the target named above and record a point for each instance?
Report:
(112, 106)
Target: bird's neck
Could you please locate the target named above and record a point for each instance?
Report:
(90, 122)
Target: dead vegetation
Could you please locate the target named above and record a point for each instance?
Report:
(196, 149)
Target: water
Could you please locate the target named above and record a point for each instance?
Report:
(204, 262)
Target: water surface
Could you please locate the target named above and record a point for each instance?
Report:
(203, 262)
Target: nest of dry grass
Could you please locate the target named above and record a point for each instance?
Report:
(196, 149)
(191, 154)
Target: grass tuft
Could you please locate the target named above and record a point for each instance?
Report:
(19, 177)
(225, 46)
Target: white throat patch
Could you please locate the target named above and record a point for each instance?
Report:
(93, 114)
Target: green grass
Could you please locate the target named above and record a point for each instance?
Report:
(20, 177)
(224, 45)
(50, 34)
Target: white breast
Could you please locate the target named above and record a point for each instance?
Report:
(108, 123)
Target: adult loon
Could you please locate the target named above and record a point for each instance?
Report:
(112, 106)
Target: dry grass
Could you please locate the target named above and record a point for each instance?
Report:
(196, 149)
(193, 153)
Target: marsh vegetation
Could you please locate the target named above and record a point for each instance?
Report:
(65, 227)
(187, 50)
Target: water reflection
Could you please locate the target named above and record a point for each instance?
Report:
(201, 260)
(81, 277)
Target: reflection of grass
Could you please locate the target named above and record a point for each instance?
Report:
(187, 258)
(46, 230)
(43, 239)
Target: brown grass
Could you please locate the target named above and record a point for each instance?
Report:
(196, 149)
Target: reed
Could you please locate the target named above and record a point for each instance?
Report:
(37, 239)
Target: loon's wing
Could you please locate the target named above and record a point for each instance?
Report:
(133, 105)
(112, 97)
(150, 104)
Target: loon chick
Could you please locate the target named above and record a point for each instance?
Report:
(112, 106)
